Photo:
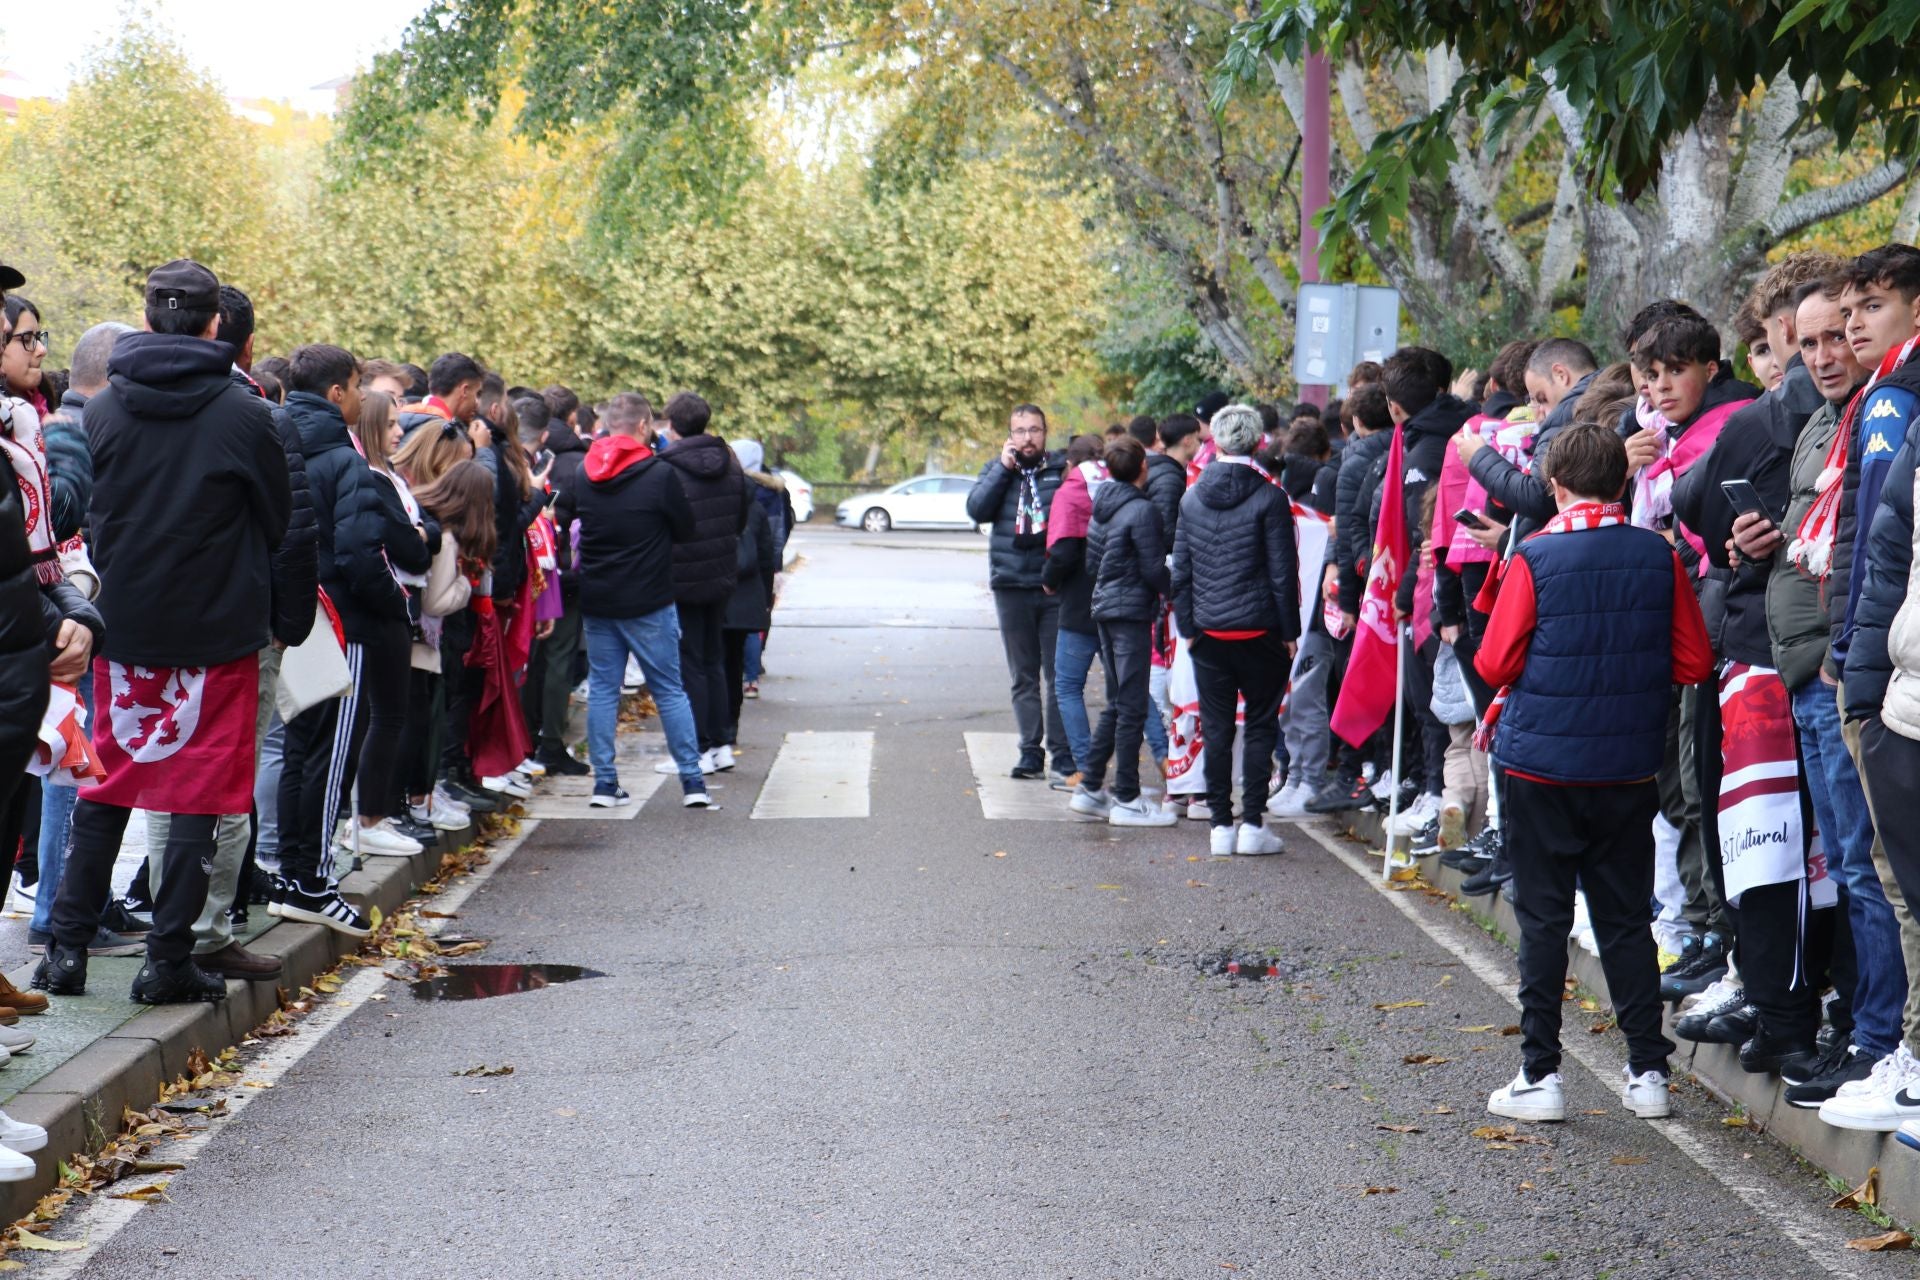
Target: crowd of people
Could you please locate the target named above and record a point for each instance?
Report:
(302, 609)
(1645, 624)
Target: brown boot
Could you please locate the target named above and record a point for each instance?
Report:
(235, 961)
(11, 997)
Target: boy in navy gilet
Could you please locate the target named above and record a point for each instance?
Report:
(1594, 624)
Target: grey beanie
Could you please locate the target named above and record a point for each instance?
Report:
(1237, 430)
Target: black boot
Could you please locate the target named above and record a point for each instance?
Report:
(178, 982)
(1767, 1052)
(63, 971)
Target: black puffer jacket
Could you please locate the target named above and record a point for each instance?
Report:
(24, 654)
(704, 567)
(569, 456)
(1236, 566)
(296, 582)
(190, 499)
(1013, 560)
(1353, 498)
(1126, 555)
(1166, 485)
(360, 525)
(69, 464)
(750, 608)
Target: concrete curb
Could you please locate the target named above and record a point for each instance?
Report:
(1844, 1153)
(79, 1103)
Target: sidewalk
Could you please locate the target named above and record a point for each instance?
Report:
(1845, 1154)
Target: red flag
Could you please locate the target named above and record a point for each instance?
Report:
(1367, 693)
(176, 739)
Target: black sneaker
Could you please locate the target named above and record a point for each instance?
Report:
(62, 971)
(1695, 1025)
(238, 916)
(118, 919)
(1689, 948)
(1824, 1060)
(1846, 1067)
(108, 943)
(1426, 840)
(561, 764)
(1463, 859)
(139, 897)
(1484, 881)
(1708, 966)
(1029, 768)
(322, 906)
(1346, 792)
(260, 887)
(610, 796)
(180, 982)
(1780, 1055)
(425, 832)
(476, 798)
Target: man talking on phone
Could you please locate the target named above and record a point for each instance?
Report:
(1013, 494)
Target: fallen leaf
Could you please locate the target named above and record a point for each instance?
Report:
(255, 1084)
(8, 1264)
(1868, 1192)
(1509, 1031)
(1736, 1122)
(1882, 1243)
(1423, 1059)
(1400, 1128)
(567, 1112)
(1494, 1131)
(1338, 1087)
(1503, 1146)
(1404, 875)
(1476, 1030)
(465, 948)
(1629, 1159)
(999, 853)
(1193, 857)
(438, 915)
(1596, 1111)
(28, 1240)
(1403, 1004)
(145, 1195)
(326, 982)
(1227, 1266)
(1198, 884)
(1381, 1191)
(1106, 886)
(1525, 1186)
(1442, 1110)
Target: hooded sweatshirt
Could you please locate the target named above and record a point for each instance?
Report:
(632, 511)
(190, 499)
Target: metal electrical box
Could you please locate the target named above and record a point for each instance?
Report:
(1338, 325)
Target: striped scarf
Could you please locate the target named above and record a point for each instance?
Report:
(1812, 545)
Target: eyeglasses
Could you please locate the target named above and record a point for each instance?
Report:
(30, 338)
(1028, 431)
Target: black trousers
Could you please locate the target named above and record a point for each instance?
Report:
(1126, 653)
(549, 682)
(1227, 671)
(703, 670)
(375, 717)
(87, 882)
(461, 685)
(1602, 839)
(1029, 632)
(415, 774)
(735, 644)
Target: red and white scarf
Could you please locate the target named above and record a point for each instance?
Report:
(21, 441)
(1577, 518)
(1812, 545)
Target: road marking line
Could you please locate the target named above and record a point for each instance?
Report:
(103, 1217)
(992, 755)
(1817, 1239)
(819, 775)
(569, 798)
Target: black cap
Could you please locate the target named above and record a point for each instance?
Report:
(1210, 404)
(183, 285)
(10, 278)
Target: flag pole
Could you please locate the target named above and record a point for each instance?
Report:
(1399, 723)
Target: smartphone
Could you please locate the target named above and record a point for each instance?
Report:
(1744, 497)
(1470, 518)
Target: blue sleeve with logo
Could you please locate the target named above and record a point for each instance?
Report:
(1883, 429)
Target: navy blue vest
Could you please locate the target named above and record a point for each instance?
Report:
(1591, 705)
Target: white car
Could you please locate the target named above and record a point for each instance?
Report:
(925, 502)
(801, 491)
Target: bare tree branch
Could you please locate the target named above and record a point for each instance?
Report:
(1765, 157)
(1907, 224)
(1814, 207)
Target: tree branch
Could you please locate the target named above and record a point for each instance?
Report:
(1907, 224)
(1814, 207)
(1765, 156)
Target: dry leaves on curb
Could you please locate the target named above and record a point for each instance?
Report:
(1885, 1242)
(28, 1240)
(1380, 1191)
(1424, 1060)
(1867, 1193)
(1402, 1004)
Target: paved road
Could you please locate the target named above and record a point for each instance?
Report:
(876, 1047)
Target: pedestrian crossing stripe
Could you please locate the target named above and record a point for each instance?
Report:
(819, 775)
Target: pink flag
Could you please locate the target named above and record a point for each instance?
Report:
(1367, 694)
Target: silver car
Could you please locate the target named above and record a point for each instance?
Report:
(925, 502)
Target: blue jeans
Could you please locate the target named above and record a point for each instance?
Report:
(754, 644)
(56, 825)
(654, 641)
(1073, 655)
(1846, 829)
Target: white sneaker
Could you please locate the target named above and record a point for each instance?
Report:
(722, 758)
(21, 895)
(697, 800)
(1256, 841)
(506, 784)
(1883, 1101)
(1521, 1099)
(436, 815)
(1139, 812)
(18, 1135)
(1199, 810)
(532, 768)
(15, 1040)
(15, 1167)
(1718, 992)
(1416, 815)
(1383, 787)
(1647, 1095)
(1290, 802)
(441, 800)
(382, 839)
(1095, 804)
(1220, 842)
(635, 678)
(668, 766)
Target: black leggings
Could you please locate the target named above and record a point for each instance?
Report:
(415, 774)
(372, 723)
(735, 644)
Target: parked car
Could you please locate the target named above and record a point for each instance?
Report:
(801, 491)
(925, 502)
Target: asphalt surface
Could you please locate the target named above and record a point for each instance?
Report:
(878, 1047)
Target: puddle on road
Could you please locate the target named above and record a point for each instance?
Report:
(482, 981)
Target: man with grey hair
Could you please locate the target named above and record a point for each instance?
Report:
(631, 510)
(1236, 596)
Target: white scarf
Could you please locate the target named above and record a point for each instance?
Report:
(20, 438)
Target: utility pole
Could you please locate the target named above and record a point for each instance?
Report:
(1315, 178)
